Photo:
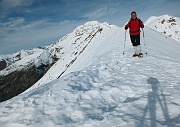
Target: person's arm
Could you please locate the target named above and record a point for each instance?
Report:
(127, 25)
(141, 24)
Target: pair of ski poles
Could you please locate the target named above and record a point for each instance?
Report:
(143, 39)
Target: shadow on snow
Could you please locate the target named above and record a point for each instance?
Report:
(155, 96)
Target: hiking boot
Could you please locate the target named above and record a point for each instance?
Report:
(140, 54)
(135, 55)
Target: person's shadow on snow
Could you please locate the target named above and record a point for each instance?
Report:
(153, 99)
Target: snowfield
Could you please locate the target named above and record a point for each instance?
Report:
(104, 88)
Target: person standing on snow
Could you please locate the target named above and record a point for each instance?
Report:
(134, 26)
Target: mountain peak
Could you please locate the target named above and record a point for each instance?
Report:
(166, 24)
(88, 27)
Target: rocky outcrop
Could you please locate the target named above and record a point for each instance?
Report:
(17, 82)
(3, 64)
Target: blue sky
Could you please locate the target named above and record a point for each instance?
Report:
(26, 24)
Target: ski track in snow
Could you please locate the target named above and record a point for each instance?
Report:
(108, 90)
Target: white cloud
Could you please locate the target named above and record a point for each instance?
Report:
(12, 23)
(20, 24)
(101, 12)
(17, 34)
(7, 5)
(15, 3)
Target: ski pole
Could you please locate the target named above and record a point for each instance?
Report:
(144, 42)
(124, 42)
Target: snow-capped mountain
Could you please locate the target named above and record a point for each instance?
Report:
(165, 24)
(82, 39)
(52, 60)
(21, 70)
(98, 86)
(68, 45)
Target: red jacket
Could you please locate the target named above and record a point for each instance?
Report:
(134, 26)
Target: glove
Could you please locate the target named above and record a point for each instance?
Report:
(142, 26)
(125, 28)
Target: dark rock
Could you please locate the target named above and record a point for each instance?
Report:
(3, 64)
(17, 82)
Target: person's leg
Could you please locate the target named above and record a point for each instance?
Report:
(137, 38)
(137, 43)
(133, 41)
(133, 38)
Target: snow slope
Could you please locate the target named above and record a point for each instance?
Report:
(84, 38)
(165, 24)
(104, 88)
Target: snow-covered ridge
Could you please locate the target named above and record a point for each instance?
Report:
(165, 24)
(37, 56)
(70, 47)
(49, 62)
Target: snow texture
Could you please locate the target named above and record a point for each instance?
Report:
(103, 87)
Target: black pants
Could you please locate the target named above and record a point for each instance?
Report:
(135, 40)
